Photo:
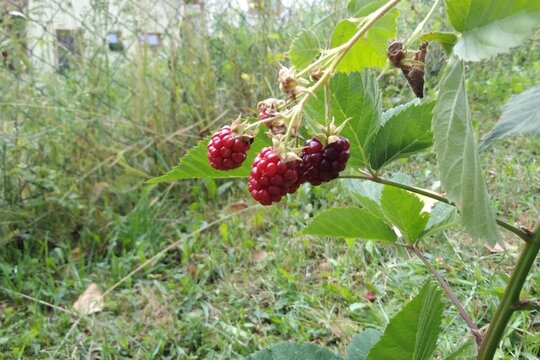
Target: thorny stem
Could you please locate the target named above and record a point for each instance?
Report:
(510, 299)
(525, 236)
(472, 327)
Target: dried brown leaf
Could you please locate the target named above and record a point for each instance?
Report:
(90, 301)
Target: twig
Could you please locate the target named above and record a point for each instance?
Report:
(525, 236)
(510, 298)
(526, 305)
(472, 327)
(52, 306)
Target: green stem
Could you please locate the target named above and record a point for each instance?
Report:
(510, 299)
(517, 231)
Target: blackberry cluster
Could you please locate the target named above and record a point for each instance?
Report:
(271, 177)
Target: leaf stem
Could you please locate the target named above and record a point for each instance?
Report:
(510, 299)
(472, 327)
(525, 236)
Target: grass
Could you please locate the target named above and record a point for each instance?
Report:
(249, 281)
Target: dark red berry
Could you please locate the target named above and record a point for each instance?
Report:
(265, 113)
(322, 164)
(225, 151)
(271, 178)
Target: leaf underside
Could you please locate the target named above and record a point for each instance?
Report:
(520, 117)
(491, 27)
(458, 160)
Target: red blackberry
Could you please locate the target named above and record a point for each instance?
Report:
(322, 164)
(271, 178)
(266, 112)
(225, 151)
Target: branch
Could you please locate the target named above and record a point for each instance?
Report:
(525, 236)
(476, 333)
(510, 298)
(526, 305)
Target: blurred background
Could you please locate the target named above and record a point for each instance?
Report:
(97, 96)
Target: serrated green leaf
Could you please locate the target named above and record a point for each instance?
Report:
(520, 117)
(361, 343)
(350, 222)
(355, 97)
(294, 351)
(304, 49)
(412, 333)
(491, 27)
(404, 210)
(370, 50)
(446, 39)
(194, 164)
(354, 6)
(441, 217)
(366, 193)
(404, 131)
(458, 160)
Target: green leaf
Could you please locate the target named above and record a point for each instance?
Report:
(361, 343)
(458, 160)
(412, 333)
(354, 6)
(350, 222)
(446, 39)
(405, 130)
(520, 116)
(304, 49)
(369, 50)
(367, 194)
(294, 351)
(491, 27)
(356, 97)
(441, 217)
(195, 165)
(404, 210)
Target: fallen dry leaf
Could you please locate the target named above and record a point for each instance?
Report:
(90, 301)
(259, 255)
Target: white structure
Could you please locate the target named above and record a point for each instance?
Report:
(59, 31)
